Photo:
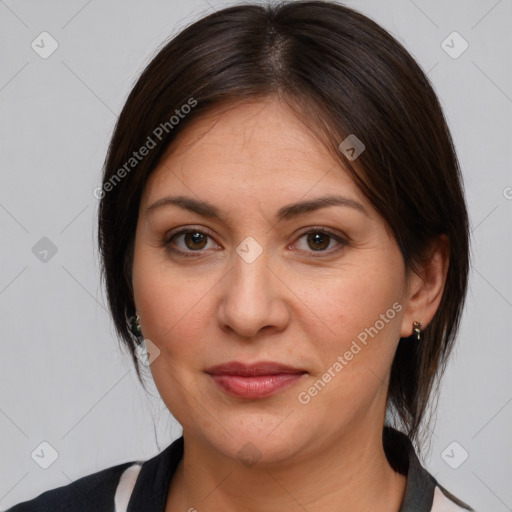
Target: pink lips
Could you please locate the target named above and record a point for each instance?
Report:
(251, 381)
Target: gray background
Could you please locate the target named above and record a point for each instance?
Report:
(63, 378)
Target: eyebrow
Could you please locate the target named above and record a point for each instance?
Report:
(287, 212)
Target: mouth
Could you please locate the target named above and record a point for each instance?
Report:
(254, 381)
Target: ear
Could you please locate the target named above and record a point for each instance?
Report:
(425, 290)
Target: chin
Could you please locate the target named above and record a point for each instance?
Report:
(262, 443)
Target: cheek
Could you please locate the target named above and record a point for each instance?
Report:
(354, 299)
(354, 354)
(358, 314)
(172, 307)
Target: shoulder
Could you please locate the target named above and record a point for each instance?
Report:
(136, 485)
(423, 493)
(98, 491)
(444, 501)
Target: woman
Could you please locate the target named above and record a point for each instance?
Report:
(285, 244)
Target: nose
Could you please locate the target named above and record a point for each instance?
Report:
(253, 299)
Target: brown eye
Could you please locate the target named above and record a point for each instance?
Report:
(318, 241)
(189, 241)
(321, 241)
(195, 240)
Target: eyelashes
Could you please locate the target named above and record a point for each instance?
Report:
(195, 242)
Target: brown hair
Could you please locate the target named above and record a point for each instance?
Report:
(342, 74)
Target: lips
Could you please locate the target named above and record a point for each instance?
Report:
(253, 381)
(251, 370)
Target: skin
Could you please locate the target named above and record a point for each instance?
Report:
(293, 304)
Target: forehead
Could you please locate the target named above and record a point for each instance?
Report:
(251, 149)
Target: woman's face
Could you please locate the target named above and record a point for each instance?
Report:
(249, 284)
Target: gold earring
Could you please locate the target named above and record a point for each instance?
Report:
(416, 326)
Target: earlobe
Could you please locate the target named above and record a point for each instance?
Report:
(426, 289)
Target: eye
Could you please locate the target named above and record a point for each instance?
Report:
(321, 240)
(188, 241)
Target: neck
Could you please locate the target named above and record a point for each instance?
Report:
(351, 474)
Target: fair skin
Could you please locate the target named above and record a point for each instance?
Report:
(293, 304)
